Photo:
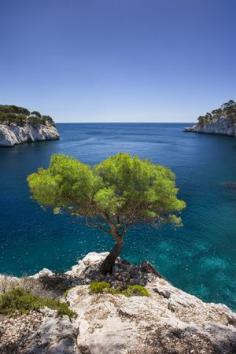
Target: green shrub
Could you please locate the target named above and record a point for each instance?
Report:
(228, 110)
(98, 287)
(8, 118)
(47, 119)
(136, 290)
(22, 301)
(14, 109)
(114, 291)
(21, 116)
(36, 113)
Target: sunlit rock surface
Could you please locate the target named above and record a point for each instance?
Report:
(168, 321)
(13, 134)
(221, 126)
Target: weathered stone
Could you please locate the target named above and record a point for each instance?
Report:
(13, 134)
(222, 126)
(167, 321)
(164, 293)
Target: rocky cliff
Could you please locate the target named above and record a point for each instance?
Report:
(18, 125)
(219, 121)
(167, 321)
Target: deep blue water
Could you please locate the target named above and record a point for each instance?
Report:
(200, 257)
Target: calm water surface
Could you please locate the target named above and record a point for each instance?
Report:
(200, 257)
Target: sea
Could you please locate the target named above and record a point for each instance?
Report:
(199, 257)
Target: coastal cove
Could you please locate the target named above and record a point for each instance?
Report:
(198, 258)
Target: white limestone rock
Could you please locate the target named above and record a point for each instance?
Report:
(13, 134)
(221, 126)
(167, 321)
(42, 273)
(91, 259)
(179, 323)
(38, 333)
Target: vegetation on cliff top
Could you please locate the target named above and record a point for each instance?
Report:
(20, 116)
(99, 287)
(114, 195)
(22, 301)
(227, 110)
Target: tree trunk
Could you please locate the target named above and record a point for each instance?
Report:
(109, 261)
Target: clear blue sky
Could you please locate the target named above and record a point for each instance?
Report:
(118, 60)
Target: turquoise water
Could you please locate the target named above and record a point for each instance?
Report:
(200, 257)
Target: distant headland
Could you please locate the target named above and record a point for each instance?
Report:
(219, 121)
(18, 125)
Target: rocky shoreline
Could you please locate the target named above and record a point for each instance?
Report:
(220, 121)
(13, 134)
(167, 321)
(18, 125)
(221, 126)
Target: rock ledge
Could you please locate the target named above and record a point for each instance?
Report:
(168, 321)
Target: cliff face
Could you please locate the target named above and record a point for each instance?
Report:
(167, 321)
(14, 134)
(219, 121)
(18, 125)
(222, 125)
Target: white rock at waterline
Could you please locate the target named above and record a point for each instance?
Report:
(221, 126)
(14, 134)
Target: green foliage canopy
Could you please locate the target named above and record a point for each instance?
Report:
(36, 113)
(118, 192)
(21, 116)
(227, 110)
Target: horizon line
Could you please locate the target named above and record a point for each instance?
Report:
(120, 122)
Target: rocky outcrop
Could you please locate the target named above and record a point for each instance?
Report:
(222, 126)
(13, 134)
(38, 332)
(220, 121)
(167, 321)
(18, 125)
